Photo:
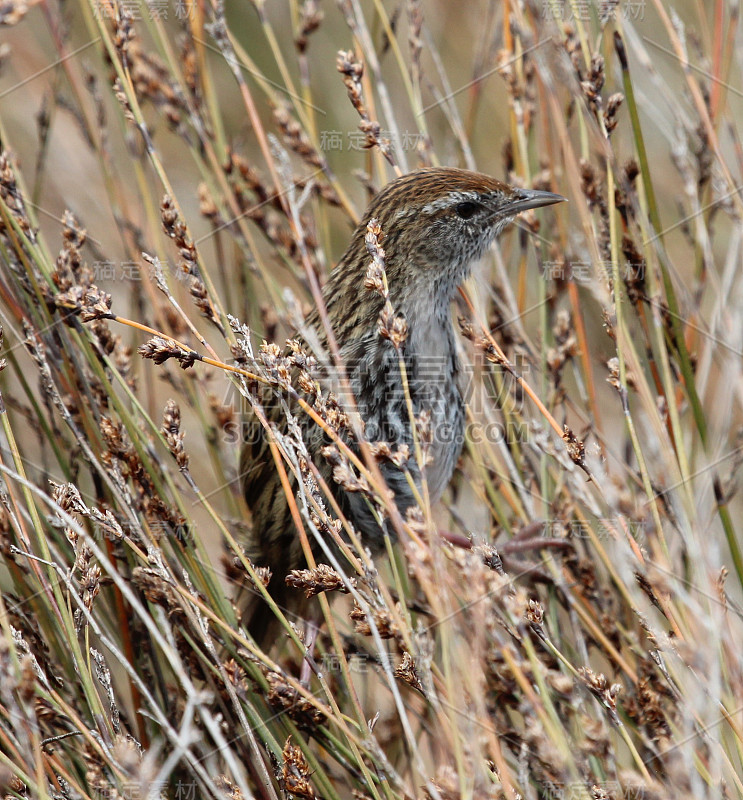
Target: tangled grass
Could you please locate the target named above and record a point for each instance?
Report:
(175, 183)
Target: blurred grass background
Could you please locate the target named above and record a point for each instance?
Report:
(607, 668)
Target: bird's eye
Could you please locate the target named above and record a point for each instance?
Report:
(466, 210)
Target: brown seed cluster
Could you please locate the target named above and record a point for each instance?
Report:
(311, 19)
(391, 326)
(11, 195)
(177, 230)
(352, 69)
(482, 646)
(295, 772)
(173, 434)
(262, 205)
(322, 578)
(160, 349)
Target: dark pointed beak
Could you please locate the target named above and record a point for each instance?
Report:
(524, 199)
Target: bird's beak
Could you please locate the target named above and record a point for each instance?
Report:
(524, 199)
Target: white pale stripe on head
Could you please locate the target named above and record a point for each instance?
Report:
(451, 199)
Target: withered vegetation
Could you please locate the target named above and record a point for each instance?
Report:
(195, 172)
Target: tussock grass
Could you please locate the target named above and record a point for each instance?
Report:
(193, 172)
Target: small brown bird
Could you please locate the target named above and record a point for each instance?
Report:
(435, 224)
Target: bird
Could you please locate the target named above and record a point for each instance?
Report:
(434, 224)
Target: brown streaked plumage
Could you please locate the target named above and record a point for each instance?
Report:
(436, 223)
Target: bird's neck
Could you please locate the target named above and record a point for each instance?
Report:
(427, 309)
